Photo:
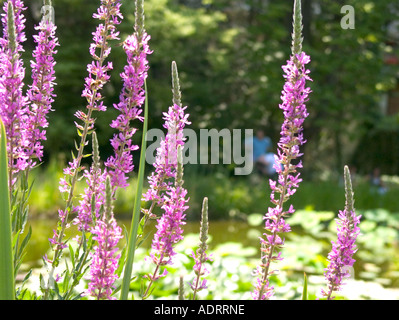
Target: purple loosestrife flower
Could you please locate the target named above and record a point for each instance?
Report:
(171, 197)
(109, 13)
(40, 93)
(166, 158)
(169, 230)
(130, 107)
(12, 73)
(20, 20)
(341, 256)
(165, 161)
(105, 258)
(93, 199)
(294, 96)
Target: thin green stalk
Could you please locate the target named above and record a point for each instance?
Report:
(7, 289)
(305, 287)
(202, 245)
(181, 289)
(137, 208)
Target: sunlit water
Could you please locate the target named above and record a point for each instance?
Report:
(220, 232)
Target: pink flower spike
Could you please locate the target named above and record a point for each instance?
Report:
(130, 106)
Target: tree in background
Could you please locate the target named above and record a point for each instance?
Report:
(229, 53)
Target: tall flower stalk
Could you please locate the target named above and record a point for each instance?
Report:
(109, 13)
(89, 211)
(168, 195)
(25, 116)
(105, 257)
(131, 102)
(166, 161)
(200, 256)
(140, 58)
(294, 96)
(41, 93)
(132, 98)
(12, 110)
(12, 73)
(341, 255)
(169, 227)
(164, 169)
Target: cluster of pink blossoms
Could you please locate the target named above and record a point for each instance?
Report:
(12, 73)
(166, 159)
(100, 49)
(25, 116)
(294, 95)
(40, 93)
(341, 255)
(171, 197)
(105, 257)
(109, 13)
(132, 97)
(169, 230)
(93, 199)
(130, 107)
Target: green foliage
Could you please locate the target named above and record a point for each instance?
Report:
(230, 59)
(131, 247)
(7, 290)
(343, 89)
(230, 62)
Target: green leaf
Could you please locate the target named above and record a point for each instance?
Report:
(20, 252)
(25, 241)
(136, 210)
(7, 290)
(20, 295)
(72, 255)
(121, 263)
(142, 239)
(305, 287)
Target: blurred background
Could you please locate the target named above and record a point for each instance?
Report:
(229, 55)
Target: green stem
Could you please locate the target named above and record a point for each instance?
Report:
(7, 289)
(151, 281)
(137, 208)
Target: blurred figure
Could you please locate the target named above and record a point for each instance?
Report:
(264, 161)
(376, 181)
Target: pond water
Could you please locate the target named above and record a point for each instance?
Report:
(220, 231)
(305, 250)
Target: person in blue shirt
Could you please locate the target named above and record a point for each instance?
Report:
(261, 145)
(263, 159)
